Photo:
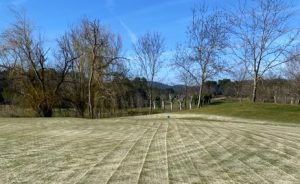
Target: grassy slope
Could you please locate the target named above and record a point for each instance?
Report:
(257, 111)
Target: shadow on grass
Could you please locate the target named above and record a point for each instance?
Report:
(219, 102)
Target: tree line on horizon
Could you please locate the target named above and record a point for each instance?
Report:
(255, 44)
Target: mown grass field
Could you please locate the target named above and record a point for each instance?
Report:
(282, 113)
(148, 149)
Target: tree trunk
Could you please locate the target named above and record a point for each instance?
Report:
(154, 105)
(91, 109)
(180, 105)
(285, 99)
(80, 111)
(163, 105)
(186, 95)
(171, 106)
(254, 92)
(45, 111)
(150, 99)
(200, 95)
(90, 95)
(191, 105)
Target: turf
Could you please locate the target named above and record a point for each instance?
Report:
(257, 111)
(147, 149)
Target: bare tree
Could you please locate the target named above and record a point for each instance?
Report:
(239, 75)
(100, 49)
(76, 81)
(162, 97)
(149, 49)
(207, 34)
(180, 98)
(187, 80)
(94, 42)
(24, 55)
(263, 37)
(292, 71)
(171, 100)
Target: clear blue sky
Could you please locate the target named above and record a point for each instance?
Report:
(129, 18)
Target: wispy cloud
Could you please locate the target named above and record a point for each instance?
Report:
(131, 34)
(160, 5)
(110, 5)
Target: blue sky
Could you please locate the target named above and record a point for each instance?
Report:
(129, 18)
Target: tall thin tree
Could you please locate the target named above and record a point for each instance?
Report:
(207, 41)
(149, 50)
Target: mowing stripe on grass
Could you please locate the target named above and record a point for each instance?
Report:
(155, 168)
(214, 171)
(238, 170)
(130, 169)
(103, 170)
(279, 136)
(181, 159)
(250, 155)
(271, 149)
(145, 156)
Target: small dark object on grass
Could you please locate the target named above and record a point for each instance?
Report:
(168, 116)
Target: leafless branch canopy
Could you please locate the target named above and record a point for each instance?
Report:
(208, 38)
(149, 49)
(263, 36)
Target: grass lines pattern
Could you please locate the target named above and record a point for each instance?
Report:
(148, 149)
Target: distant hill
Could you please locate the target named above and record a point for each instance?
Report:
(178, 87)
(162, 86)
